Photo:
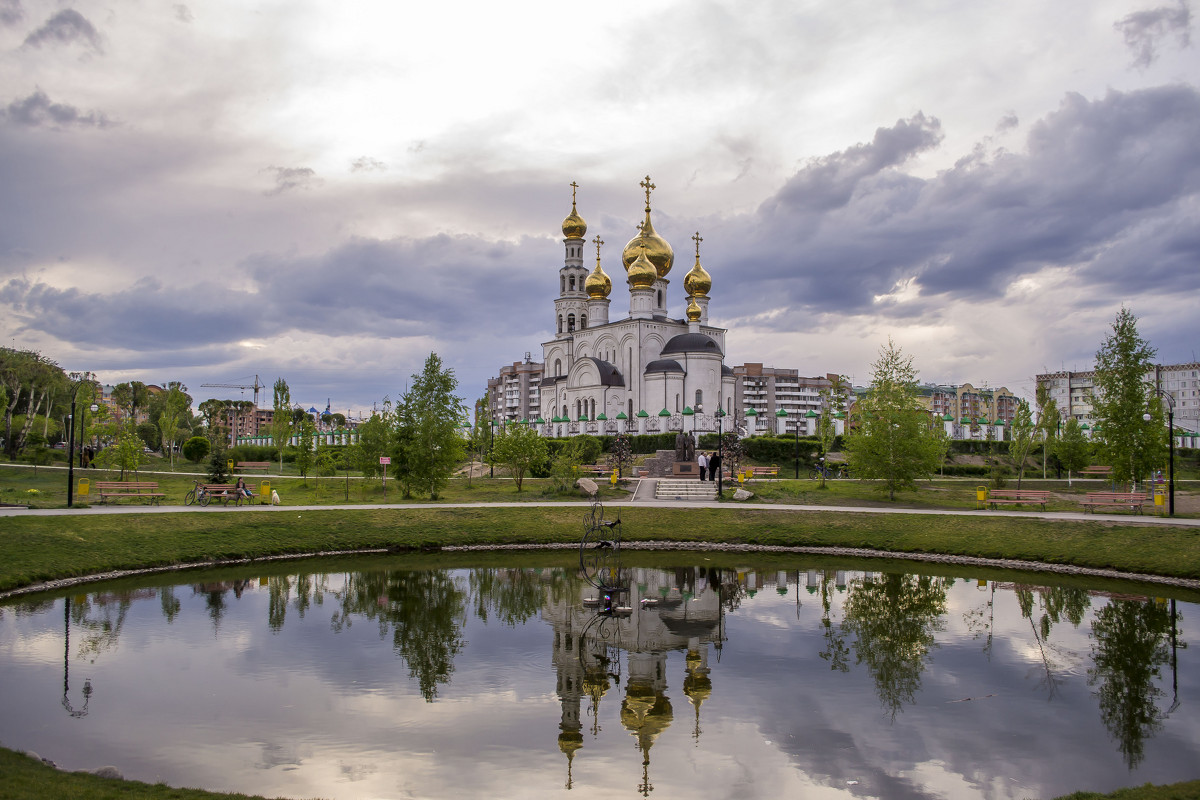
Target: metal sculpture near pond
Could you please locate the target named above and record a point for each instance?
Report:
(600, 558)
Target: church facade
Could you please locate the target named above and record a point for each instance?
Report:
(634, 368)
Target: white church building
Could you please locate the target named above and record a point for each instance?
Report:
(635, 368)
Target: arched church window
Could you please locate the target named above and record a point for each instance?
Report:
(677, 409)
(582, 321)
(560, 323)
(562, 283)
(570, 323)
(660, 298)
(558, 366)
(572, 282)
(629, 413)
(699, 398)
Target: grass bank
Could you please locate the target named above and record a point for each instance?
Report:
(36, 549)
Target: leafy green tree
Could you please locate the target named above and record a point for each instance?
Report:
(893, 440)
(281, 419)
(433, 417)
(519, 448)
(1048, 421)
(129, 397)
(564, 465)
(374, 440)
(195, 449)
(1023, 436)
(29, 381)
(620, 454)
(305, 453)
(833, 400)
(1131, 445)
(148, 433)
(173, 409)
(1073, 449)
(218, 465)
(125, 453)
(213, 412)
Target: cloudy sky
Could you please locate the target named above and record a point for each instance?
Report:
(327, 192)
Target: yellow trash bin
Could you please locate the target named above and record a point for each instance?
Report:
(85, 487)
(981, 494)
(1160, 495)
(264, 493)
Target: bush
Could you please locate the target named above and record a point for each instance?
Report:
(218, 466)
(150, 435)
(196, 449)
(254, 452)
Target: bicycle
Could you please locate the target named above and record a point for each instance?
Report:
(197, 495)
(821, 472)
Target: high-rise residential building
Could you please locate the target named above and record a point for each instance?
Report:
(1073, 391)
(515, 395)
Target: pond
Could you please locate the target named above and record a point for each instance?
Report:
(714, 675)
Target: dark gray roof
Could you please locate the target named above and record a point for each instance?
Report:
(691, 343)
(726, 370)
(664, 365)
(609, 375)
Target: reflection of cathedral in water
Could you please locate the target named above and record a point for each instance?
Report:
(664, 611)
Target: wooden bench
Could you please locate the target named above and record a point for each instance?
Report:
(1131, 500)
(114, 490)
(224, 492)
(1095, 472)
(766, 472)
(595, 469)
(1017, 497)
(247, 466)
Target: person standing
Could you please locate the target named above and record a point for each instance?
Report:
(702, 461)
(714, 466)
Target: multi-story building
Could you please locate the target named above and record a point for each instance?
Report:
(1072, 392)
(516, 394)
(762, 392)
(969, 407)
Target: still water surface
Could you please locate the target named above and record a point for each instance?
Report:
(383, 679)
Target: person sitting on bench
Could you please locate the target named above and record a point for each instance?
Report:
(241, 489)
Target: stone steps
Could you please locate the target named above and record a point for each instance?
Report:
(690, 489)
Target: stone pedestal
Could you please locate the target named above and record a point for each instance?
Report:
(685, 469)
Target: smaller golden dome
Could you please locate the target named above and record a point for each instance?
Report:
(573, 226)
(697, 282)
(598, 285)
(693, 311)
(641, 272)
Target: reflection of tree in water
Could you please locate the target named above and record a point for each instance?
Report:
(214, 596)
(170, 603)
(424, 610)
(835, 650)
(1056, 603)
(302, 591)
(1129, 644)
(512, 595)
(893, 618)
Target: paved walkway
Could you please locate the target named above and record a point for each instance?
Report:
(1123, 519)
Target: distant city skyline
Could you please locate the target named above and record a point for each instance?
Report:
(209, 192)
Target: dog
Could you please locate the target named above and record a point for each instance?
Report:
(275, 498)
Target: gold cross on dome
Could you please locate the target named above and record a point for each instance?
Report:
(574, 186)
(598, 242)
(697, 239)
(648, 186)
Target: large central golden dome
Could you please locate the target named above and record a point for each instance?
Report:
(657, 250)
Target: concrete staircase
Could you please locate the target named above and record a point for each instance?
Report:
(684, 489)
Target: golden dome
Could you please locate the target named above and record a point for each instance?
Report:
(641, 272)
(693, 311)
(657, 250)
(573, 226)
(598, 285)
(697, 282)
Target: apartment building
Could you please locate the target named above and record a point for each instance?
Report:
(1073, 391)
(515, 394)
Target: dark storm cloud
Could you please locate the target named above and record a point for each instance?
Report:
(37, 109)
(66, 27)
(364, 288)
(1145, 31)
(1108, 187)
(11, 12)
(287, 178)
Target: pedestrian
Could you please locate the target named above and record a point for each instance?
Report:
(240, 489)
(714, 466)
(702, 461)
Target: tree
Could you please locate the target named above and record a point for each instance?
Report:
(125, 453)
(620, 454)
(195, 449)
(433, 417)
(833, 400)
(519, 448)
(171, 416)
(374, 440)
(1131, 445)
(213, 411)
(129, 397)
(1073, 449)
(893, 440)
(281, 420)
(29, 381)
(1048, 421)
(1023, 435)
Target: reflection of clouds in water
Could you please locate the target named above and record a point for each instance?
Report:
(280, 755)
(355, 772)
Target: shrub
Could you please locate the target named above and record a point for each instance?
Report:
(196, 449)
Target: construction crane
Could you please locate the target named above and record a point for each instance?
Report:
(255, 387)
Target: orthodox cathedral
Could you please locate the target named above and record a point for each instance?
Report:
(608, 372)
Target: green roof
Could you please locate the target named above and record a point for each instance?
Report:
(687, 411)
(601, 418)
(781, 413)
(810, 414)
(750, 412)
(642, 413)
(621, 415)
(540, 421)
(664, 413)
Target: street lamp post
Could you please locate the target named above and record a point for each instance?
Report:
(84, 378)
(1170, 447)
(491, 447)
(720, 446)
(796, 454)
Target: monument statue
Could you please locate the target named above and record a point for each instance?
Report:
(685, 447)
